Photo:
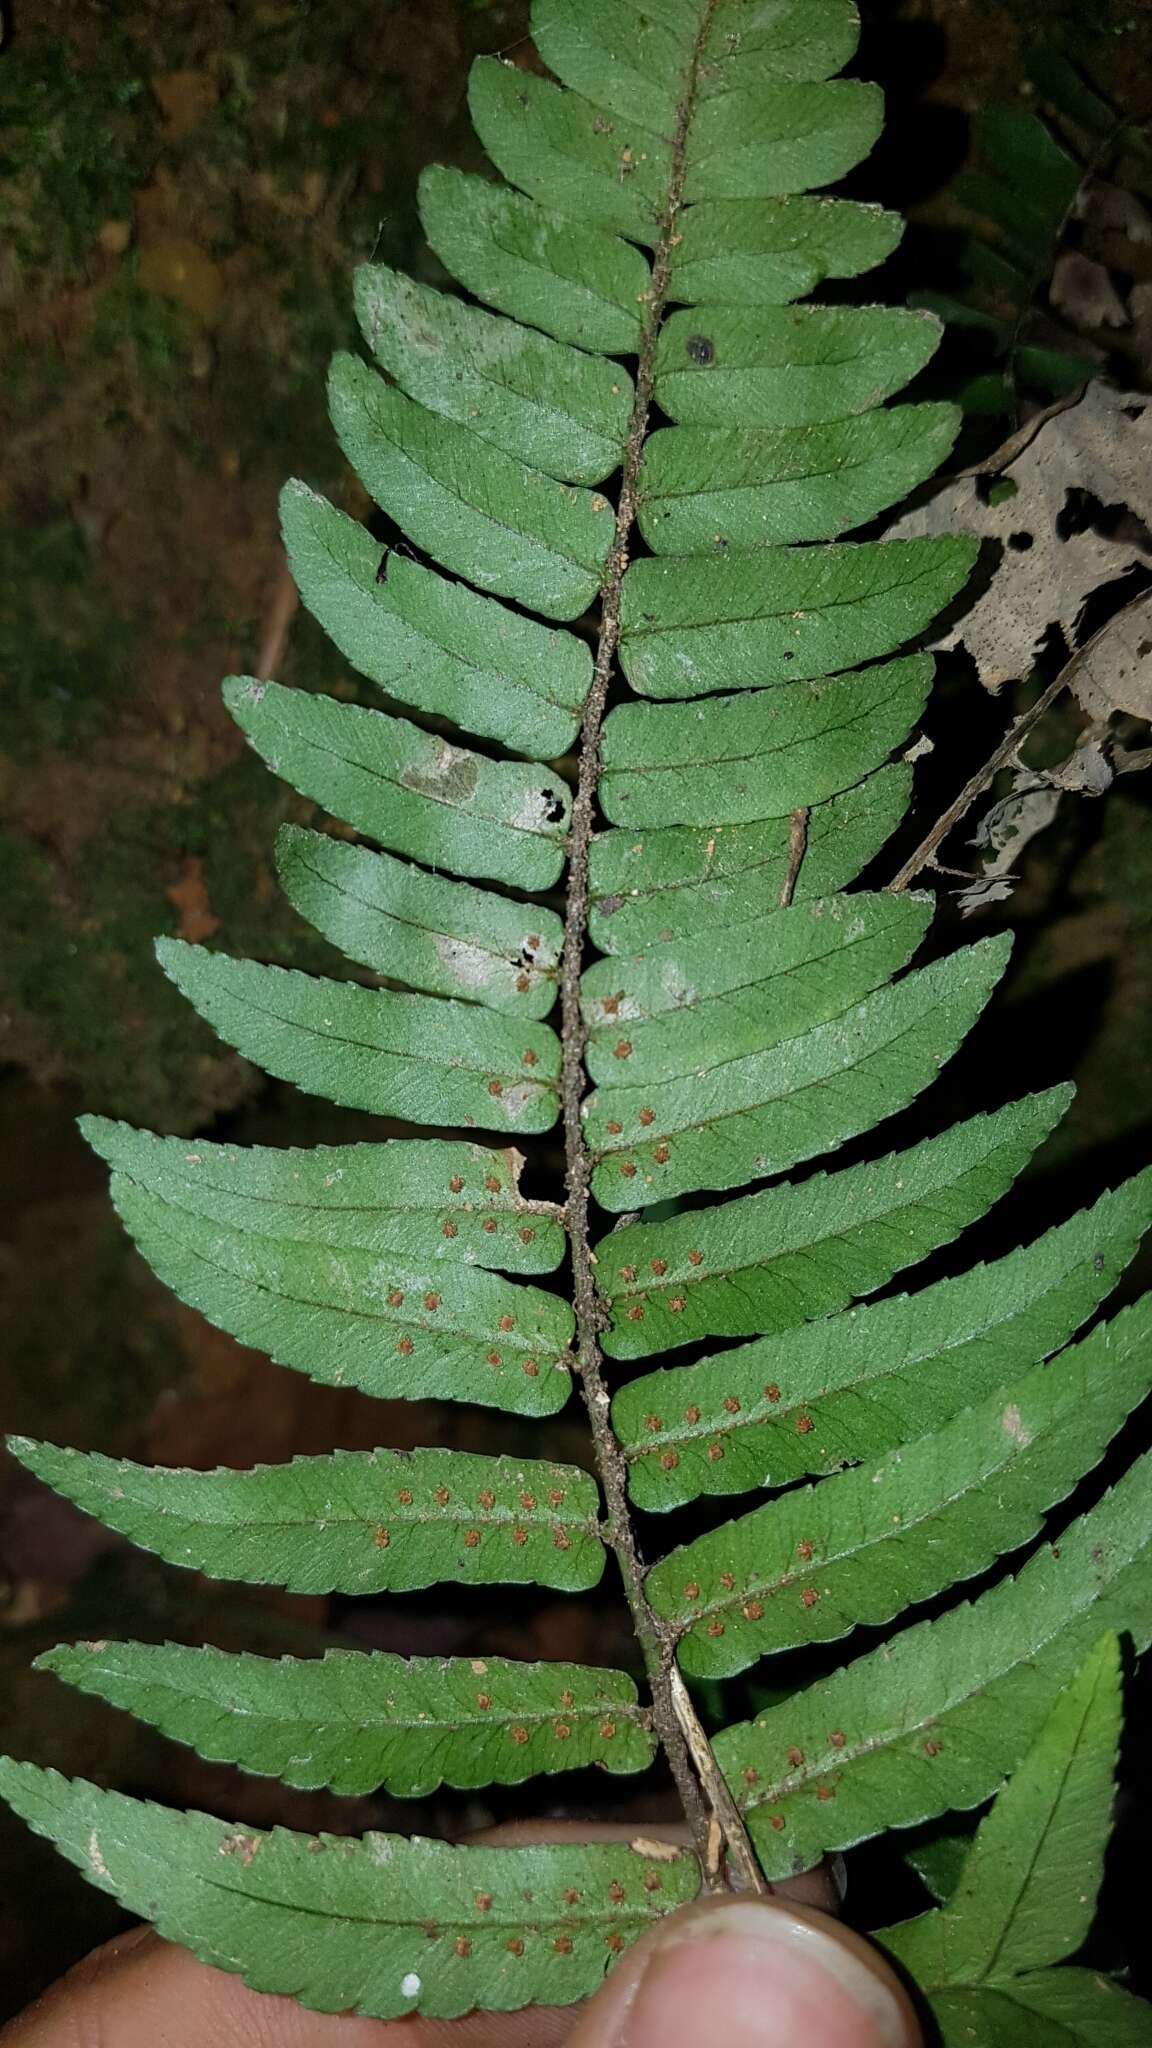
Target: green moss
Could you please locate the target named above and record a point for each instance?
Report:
(75, 142)
(64, 647)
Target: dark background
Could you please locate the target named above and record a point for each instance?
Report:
(183, 191)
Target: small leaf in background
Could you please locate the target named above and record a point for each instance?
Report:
(1026, 1895)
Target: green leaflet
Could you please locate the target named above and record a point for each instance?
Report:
(409, 789)
(396, 1055)
(554, 273)
(938, 1859)
(431, 643)
(509, 528)
(855, 1385)
(764, 252)
(382, 1926)
(742, 144)
(1044, 2009)
(419, 1198)
(762, 754)
(778, 615)
(549, 405)
(867, 1543)
(356, 1721)
(1027, 1893)
(741, 1115)
(628, 59)
(631, 60)
(937, 1716)
(797, 39)
(418, 928)
(757, 140)
(680, 881)
(561, 150)
(789, 367)
(768, 1262)
(745, 987)
(703, 489)
(354, 1522)
(400, 1330)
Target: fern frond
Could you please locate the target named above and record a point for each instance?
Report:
(746, 1017)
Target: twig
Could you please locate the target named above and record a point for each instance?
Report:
(697, 1776)
(925, 854)
(797, 848)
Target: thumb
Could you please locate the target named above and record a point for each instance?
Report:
(750, 1974)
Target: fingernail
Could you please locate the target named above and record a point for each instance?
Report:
(763, 1976)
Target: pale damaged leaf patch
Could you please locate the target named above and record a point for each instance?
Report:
(1100, 448)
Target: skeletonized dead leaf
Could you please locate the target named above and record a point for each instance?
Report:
(1101, 446)
(1114, 672)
